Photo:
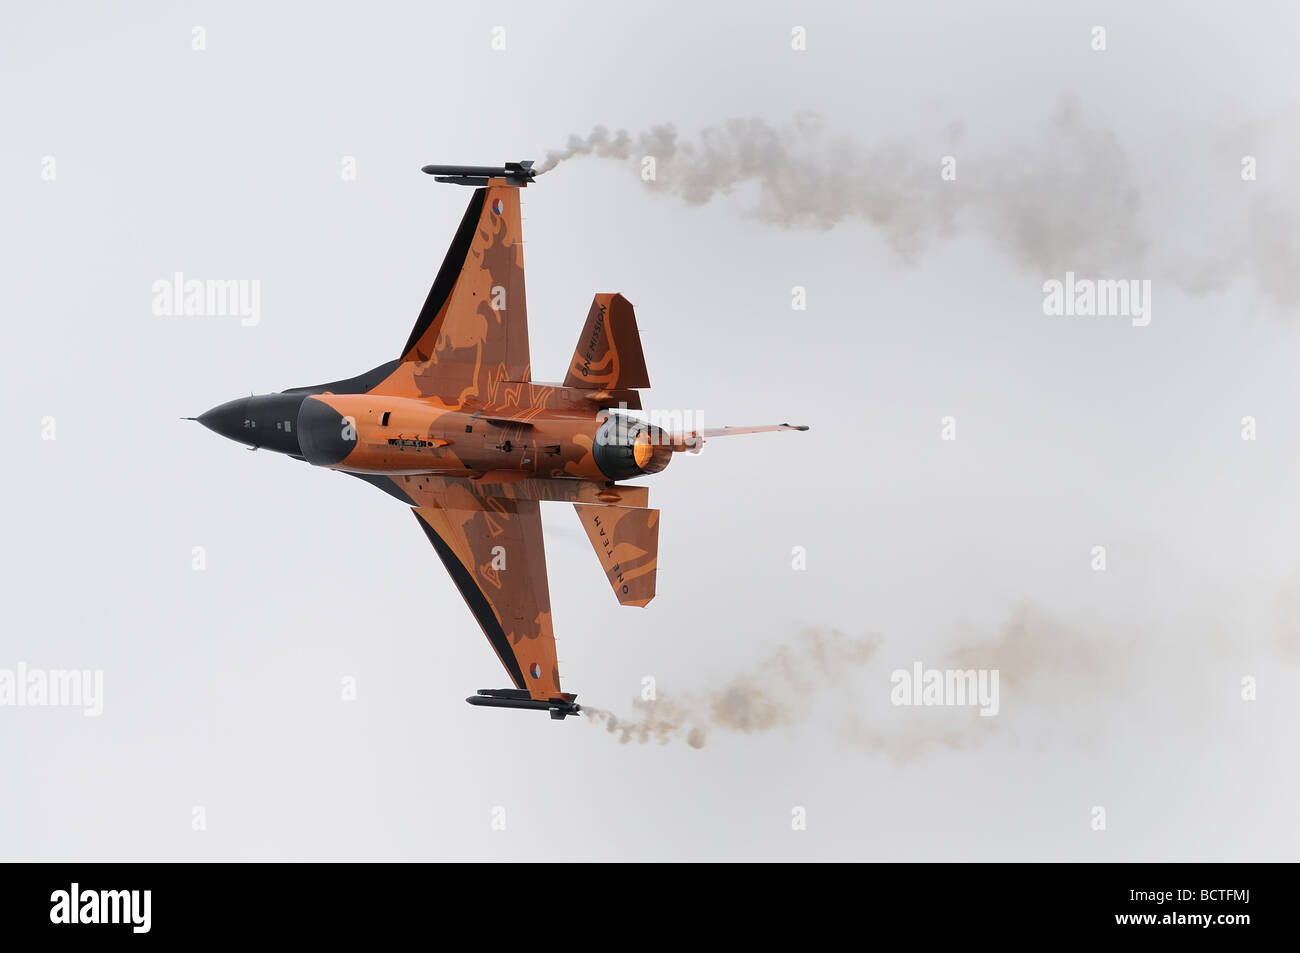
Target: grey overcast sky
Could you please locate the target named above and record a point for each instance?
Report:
(127, 155)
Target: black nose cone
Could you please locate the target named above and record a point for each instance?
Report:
(230, 420)
(268, 420)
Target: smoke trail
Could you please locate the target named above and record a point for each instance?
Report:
(806, 178)
(752, 702)
(1031, 651)
(1048, 674)
(1068, 198)
(1031, 646)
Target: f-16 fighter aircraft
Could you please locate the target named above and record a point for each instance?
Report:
(457, 429)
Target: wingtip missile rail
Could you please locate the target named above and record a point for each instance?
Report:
(514, 173)
(559, 708)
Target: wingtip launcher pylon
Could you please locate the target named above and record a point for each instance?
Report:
(514, 173)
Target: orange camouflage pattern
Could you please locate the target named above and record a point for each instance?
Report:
(477, 339)
(626, 540)
(609, 353)
(499, 542)
(457, 429)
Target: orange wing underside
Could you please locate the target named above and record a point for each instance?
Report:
(494, 550)
(472, 333)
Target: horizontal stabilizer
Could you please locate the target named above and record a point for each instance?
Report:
(626, 540)
(693, 440)
(766, 428)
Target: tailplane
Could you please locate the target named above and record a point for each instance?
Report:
(626, 541)
(693, 440)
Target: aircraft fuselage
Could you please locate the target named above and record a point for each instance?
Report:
(378, 434)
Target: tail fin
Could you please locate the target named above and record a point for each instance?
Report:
(608, 356)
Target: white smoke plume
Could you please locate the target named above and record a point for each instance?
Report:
(1066, 198)
(1045, 668)
(806, 178)
(771, 695)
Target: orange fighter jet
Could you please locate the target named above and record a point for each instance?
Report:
(457, 429)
